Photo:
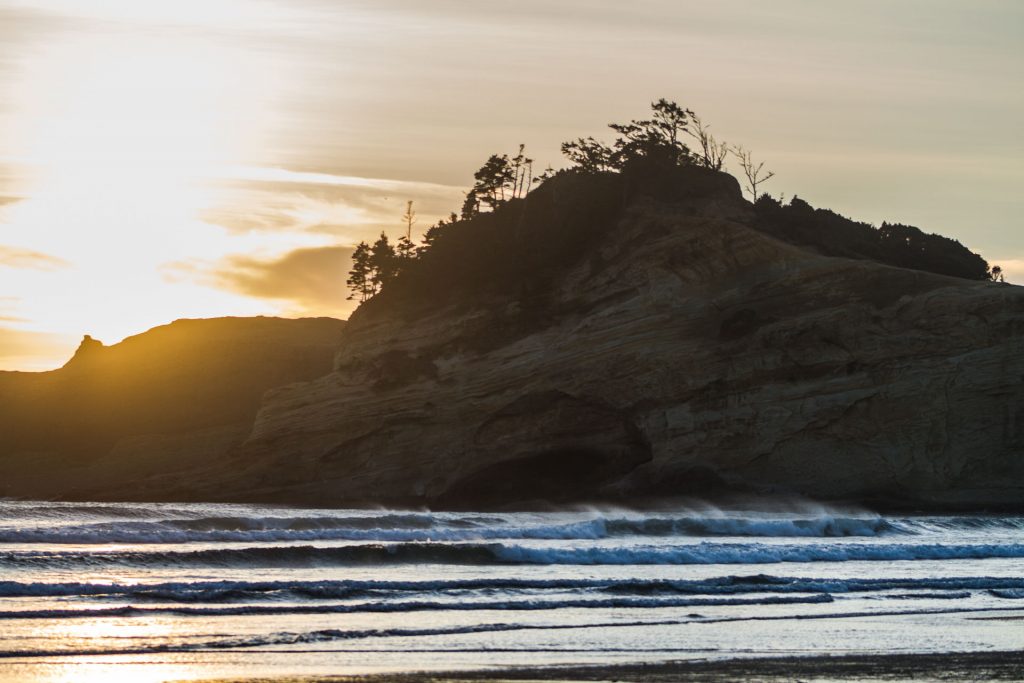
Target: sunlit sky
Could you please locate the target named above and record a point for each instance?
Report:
(196, 158)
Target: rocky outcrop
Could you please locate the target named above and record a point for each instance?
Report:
(120, 422)
(679, 351)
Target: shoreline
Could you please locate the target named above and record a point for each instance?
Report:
(974, 666)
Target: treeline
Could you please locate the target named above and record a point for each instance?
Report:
(500, 180)
(672, 137)
(893, 243)
(658, 140)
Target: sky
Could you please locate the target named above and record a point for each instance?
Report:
(201, 158)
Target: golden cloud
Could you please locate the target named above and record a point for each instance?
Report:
(14, 257)
(308, 281)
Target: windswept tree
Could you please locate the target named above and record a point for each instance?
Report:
(711, 153)
(499, 180)
(589, 155)
(659, 137)
(495, 181)
(754, 172)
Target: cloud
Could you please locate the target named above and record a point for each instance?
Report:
(7, 307)
(307, 281)
(14, 257)
(254, 199)
(283, 175)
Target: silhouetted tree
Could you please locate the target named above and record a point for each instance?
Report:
(405, 251)
(434, 232)
(359, 277)
(589, 155)
(522, 173)
(470, 206)
(493, 179)
(755, 173)
(409, 217)
(897, 245)
(548, 174)
(712, 153)
(659, 137)
(383, 264)
(997, 274)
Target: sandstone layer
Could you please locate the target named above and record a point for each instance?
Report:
(679, 352)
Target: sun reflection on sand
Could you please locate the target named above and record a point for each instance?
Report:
(114, 670)
(100, 634)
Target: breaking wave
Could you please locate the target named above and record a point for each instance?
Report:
(518, 553)
(412, 527)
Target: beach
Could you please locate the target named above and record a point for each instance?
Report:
(1001, 666)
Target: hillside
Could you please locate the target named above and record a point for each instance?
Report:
(159, 402)
(640, 335)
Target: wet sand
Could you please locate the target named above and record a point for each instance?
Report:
(974, 666)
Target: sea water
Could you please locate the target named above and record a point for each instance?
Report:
(151, 592)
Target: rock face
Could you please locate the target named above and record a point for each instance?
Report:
(682, 352)
(119, 422)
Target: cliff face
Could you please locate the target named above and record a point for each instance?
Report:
(167, 401)
(682, 352)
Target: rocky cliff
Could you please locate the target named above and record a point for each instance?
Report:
(630, 337)
(119, 422)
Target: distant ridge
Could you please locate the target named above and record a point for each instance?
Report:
(157, 402)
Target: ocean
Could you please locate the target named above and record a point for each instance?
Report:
(150, 592)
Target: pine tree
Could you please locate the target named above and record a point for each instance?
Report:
(359, 277)
(383, 264)
(405, 251)
(471, 206)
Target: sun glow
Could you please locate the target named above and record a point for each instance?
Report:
(115, 137)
